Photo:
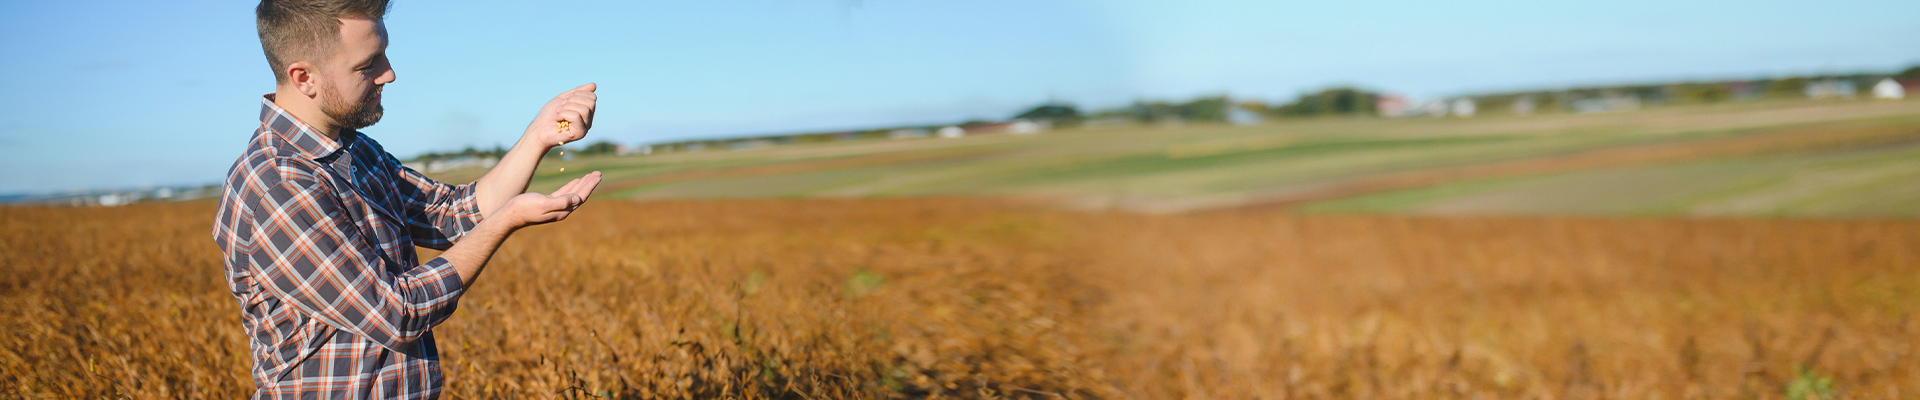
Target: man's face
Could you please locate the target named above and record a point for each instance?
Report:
(351, 81)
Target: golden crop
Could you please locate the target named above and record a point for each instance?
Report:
(928, 298)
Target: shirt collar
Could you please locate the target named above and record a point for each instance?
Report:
(299, 136)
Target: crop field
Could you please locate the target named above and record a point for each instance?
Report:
(1752, 251)
(973, 298)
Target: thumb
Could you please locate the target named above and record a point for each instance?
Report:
(587, 87)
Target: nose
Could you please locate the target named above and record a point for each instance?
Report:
(388, 75)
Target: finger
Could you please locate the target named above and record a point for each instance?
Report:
(570, 203)
(589, 87)
(592, 106)
(579, 125)
(551, 216)
(540, 206)
(587, 184)
(578, 187)
(581, 187)
(582, 111)
(567, 188)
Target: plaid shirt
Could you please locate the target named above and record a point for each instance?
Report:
(319, 238)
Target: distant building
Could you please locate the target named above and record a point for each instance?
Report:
(1391, 105)
(1025, 127)
(908, 133)
(449, 164)
(1523, 105)
(1242, 116)
(749, 144)
(1831, 88)
(1746, 90)
(1462, 107)
(1889, 89)
(633, 150)
(952, 132)
(1609, 103)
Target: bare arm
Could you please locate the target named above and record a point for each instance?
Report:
(470, 255)
(509, 178)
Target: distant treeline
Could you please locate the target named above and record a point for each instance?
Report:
(1335, 101)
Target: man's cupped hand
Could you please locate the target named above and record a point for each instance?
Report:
(574, 106)
(530, 208)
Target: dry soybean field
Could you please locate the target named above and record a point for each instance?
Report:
(942, 298)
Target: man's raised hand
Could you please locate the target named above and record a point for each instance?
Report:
(530, 209)
(575, 106)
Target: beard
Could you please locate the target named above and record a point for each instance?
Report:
(351, 115)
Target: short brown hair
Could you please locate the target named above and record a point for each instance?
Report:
(295, 30)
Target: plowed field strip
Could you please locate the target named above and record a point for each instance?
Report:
(1787, 140)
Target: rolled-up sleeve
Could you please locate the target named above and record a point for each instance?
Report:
(313, 256)
(438, 214)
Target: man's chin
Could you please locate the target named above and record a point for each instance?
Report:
(363, 120)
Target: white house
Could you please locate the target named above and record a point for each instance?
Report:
(1462, 107)
(1023, 127)
(633, 150)
(1831, 88)
(1608, 103)
(952, 132)
(1888, 89)
(1523, 106)
(907, 133)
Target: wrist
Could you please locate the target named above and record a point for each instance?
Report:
(504, 221)
(533, 141)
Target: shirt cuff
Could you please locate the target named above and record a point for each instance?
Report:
(440, 284)
(466, 212)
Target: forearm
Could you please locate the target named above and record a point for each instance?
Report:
(509, 178)
(471, 254)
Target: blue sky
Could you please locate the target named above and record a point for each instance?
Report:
(99, 94)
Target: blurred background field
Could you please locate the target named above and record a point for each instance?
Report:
(1783, 158)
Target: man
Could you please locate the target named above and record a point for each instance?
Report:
(318, 223)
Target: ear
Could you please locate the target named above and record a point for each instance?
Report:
(301, 75)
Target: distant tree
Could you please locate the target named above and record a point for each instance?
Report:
(1058, 114)
(1786, 88)
(1909, 75)
(1255, 106)
(1698, 93)
(1335, 101)
(600, 147)
(1206, 109)
(1154, 111)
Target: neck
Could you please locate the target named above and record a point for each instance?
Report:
(307, 110)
